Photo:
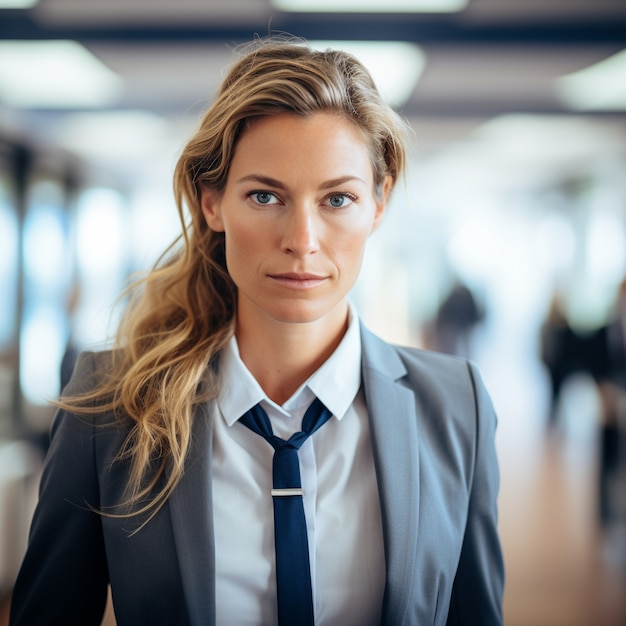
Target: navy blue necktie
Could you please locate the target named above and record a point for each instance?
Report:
(293, 570)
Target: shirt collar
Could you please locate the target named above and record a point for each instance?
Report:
(336, 383)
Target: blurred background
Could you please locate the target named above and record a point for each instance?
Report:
(506, 243)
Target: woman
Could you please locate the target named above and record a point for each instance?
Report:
(161, 480)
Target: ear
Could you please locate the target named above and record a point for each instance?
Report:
(210, 202)
(381, 204)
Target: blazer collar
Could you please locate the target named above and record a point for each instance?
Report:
(393, 423)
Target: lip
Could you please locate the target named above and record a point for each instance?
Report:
(298, 280)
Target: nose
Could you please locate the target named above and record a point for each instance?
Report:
(300, 235)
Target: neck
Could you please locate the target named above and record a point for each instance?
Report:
(283, 356)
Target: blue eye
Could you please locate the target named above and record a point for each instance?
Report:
(263, 197)
(340, 201)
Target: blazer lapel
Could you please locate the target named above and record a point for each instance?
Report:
(393, 422)
(191, 511)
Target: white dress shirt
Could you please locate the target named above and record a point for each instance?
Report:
(341, 500)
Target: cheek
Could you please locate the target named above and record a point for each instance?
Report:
(244, 243)
(240, 237)
(351, 247)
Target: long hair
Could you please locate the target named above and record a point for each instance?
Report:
(183, 312)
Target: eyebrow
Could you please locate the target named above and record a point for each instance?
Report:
(272, 182)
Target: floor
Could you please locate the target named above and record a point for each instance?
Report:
(563, 568)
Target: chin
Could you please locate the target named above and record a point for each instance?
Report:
(307, 312)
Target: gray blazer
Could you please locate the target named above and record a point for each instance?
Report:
(432, 427)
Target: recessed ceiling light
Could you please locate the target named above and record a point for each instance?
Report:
(370, 6)
(17, 4)
(112, 135)
(395, 66)
(54, 74)
(599, 87)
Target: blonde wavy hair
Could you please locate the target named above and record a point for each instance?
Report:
(183, 312)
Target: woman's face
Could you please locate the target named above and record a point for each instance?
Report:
(296, 211)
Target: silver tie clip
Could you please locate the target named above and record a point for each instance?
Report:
(296, 491)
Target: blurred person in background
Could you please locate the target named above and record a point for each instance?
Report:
(162, 480)
(612, 385)
(559, 352)
(457, 317)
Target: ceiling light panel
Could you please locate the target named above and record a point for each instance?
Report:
(54, 74)
(599, 87)
(370, 6)
(17, 4)
(141, 12)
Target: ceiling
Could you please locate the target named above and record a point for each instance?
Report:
(494, 58)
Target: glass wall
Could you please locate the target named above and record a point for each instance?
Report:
(64, 258)
(47, 274)
(9, 282)
(102, 251)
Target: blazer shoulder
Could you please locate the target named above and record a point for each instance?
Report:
(452, 384)
(89, 370)
(451, 376)
(420, 357)
(429, 365)
(89, 374)
(413, 364)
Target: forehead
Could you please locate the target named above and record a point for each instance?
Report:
(319, 141)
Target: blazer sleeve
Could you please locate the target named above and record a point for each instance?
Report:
(479, 581)
(63, 578)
